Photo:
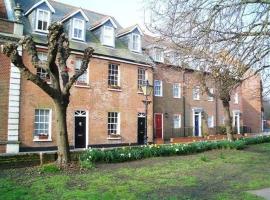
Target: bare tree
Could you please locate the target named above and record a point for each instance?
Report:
(226, 40)
(61, 82)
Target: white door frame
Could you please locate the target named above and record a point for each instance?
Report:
(236, 113)
(199, 111)
(161, 122)
(86, 127)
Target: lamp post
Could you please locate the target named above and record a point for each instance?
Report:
(147, 91)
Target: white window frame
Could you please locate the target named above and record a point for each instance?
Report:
(117, 124)
(104, 42)
(41, 72)
(159, 58)
(86, 73)
(141, 81)
(133, 42)
(161, 88)
(178, 87)
(212, 121)
(36, 137)
(174, 121)
(210, 98)
(118, 75)
(49, 20)
(236, 98)
(196, 91)
(82, 28)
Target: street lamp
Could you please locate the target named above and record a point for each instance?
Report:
(147, 91)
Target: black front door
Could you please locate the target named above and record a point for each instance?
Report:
(196, 125)
(141, 130)
(80, 132)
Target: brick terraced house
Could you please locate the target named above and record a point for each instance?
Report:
(106, 107)
(182, 109)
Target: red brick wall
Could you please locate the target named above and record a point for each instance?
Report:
(6, 26)
(3, 12)
(96, 99)
(170, 105)
(4, 88)
(252, 103)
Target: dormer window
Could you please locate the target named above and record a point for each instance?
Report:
(43, 20)
(158, 55)
(135, 42)
(108, 36)
(78, 29)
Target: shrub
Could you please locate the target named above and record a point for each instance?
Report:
(221, 130)
(123, 154)
(49, 168)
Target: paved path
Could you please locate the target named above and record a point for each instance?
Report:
(265, 193)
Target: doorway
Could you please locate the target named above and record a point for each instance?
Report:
(80, 129)
(197, 123)
(158, 125)
(141, 128)
(236, 121)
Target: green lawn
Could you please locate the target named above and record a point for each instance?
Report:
(220, 174)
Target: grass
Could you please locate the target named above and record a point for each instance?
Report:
(49, 168)
(219, 174)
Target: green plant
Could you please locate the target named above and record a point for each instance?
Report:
(86, 164)
(49, 168)
(204, 158)
(222, 156)
(123, 154)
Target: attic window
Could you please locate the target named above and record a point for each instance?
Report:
(158, 55)
(108, 36)
(78, 29)
(135, 42)
(43, 20)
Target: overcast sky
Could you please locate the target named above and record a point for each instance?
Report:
(126, 12)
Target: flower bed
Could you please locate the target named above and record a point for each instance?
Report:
(136, 153)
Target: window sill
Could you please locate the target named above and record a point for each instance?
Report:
(115, 90)
(41, 31)
(114, 137)
(196, 99)
(78, 40)
(139, 92)
(177, 97)
(158, 96)
(42, 140)
(82, 86)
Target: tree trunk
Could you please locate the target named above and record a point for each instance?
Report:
(62, 135)
(228, 120)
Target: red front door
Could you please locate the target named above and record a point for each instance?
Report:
(158, 125)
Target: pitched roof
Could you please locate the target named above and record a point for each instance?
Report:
(39, 3)
(103, 21)
(127, 30)
(63, 11)
(74, 13)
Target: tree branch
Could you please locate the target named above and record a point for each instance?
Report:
(28, 44)
(11, 51)
(85, 61)
(63, 54)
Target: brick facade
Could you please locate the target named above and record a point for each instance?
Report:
(96, 99)
(3, 12)
(6, 26)
(248, 105)
(4, 88)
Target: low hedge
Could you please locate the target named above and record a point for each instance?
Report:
(123, 154)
